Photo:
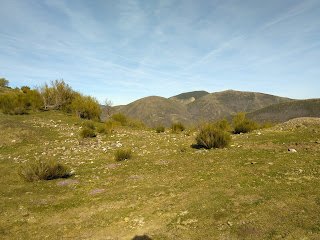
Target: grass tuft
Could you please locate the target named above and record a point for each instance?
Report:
(87, 133)
(43, 170)
(122, 154)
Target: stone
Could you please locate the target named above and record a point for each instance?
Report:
(67, 182)
(112, 165)
(292, 150)
(96, 191)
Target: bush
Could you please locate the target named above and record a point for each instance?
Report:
(160, 129)
(121, 118)
(242, 125)
(43, 170)
(85, 107)
(135, 123)
(177, 127)
(222, 124)
(101, 129)
(89, 124)
(211, 137)
(109, 126)
(122, 154)
(87, 133)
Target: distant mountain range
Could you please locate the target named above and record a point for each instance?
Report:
(192, 107)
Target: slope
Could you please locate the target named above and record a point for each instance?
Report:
(219, 104)
(155, 111)
(285, 111)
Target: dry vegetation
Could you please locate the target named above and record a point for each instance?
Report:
(253, 189)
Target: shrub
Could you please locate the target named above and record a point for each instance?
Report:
(222, 124)
(87, 133)
(85, 107)
(211, 137)
(121, 118)
(242, 125)
(135, 123)
(268, 125)
(101, 129)
(122, 154)
(43, 170)
(89, 124)
(109, 126)
(160, 129)
(177, 127)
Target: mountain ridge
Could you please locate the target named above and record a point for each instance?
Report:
(192, 107)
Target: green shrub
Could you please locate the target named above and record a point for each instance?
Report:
(85, 107)
(222, 124)
(160, 129)
(109, 126)
(177, 127)
(211, 137)
(268, 125)
(87, 133)
(19, 111)
(133, 123)
(122, 154)
(89, 124)
(121, 118)
(242, 125)
(43, 170)
(101, 129)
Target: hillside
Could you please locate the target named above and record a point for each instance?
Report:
(254, 189)
(219, 104)
(155, 111)
(285, 111)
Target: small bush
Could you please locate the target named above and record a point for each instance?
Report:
(87, 133)
(109, 126)
(177, 127)
(160, 129)
(121, 118)
(245, 126)
(122, 154)
(89, 124)
(242, 125)
(135, 123)
(101, 129)
(211, 137)
(222, 124)
(43, 170)
(268, 125)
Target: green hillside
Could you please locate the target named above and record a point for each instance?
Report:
(285, 111)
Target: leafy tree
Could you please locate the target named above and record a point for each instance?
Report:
(4, 82)
(85, 107)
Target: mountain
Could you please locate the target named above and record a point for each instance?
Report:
(155, 111)
(284, 111)
(214, 106)
(191, 107)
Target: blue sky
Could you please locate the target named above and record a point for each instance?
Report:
(126, 50)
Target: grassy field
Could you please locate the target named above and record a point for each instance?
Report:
(254, 189)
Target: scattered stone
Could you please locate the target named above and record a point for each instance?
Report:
(126, 219)
(96, 191)
(67, 182)
(112, 165)
(13, 141)
(270, 163)
(230, 223)
(292, 150)
(259, 133)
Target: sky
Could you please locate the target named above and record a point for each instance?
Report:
(124, 50)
